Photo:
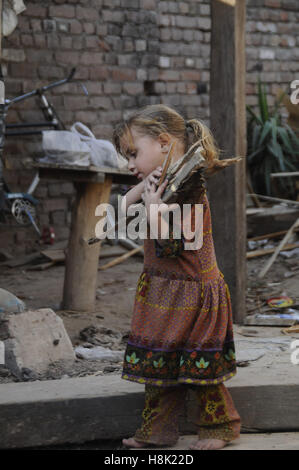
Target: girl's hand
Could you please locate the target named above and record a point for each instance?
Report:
(152, 195)
(154, 176)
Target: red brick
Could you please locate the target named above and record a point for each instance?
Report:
(111, 88)
(77, 42)
(27, 40)
(62, 11)
(40, 40)
(190, 75)
(191, 88)
(284, 16)
(84, 13)
(70, 57)
(58, 218)
(48, 71)
(76, 102)
(87, 117)
(133, 88)
(92, 58)
(273, 3)
(92, 42)
(36, 25)
(169, 75)
(89, 28)
(148, 4)
(98, 72)
(22, 70)
(121, 74)
(35, 10)
(101, 102)
(50, 205)
(76, 27)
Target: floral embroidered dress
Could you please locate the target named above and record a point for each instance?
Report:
(182, 329)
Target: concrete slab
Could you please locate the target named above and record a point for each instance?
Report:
(107, 407)
(34, 339)
(274, 441)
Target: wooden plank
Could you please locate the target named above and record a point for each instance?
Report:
(82, 259)
(267, 251)
(271, 235)
(285, 174)
(22, 260)
(79, 168)
(72, 173)
(122, 258)
(227, 189)
(54, 255)
(256, 320)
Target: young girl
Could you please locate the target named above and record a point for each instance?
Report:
(182, 331)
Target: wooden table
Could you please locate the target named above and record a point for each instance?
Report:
(93, 187)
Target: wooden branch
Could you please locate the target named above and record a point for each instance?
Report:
(270, 235)
(277, 199)
(267, 251)
(122, 258)
(278, 249)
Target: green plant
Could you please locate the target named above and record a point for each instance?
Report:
(273, 147)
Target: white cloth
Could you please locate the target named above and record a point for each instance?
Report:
(11, 8)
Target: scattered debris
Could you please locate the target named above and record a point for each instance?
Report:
(101, 336)
(292, 329)
(99, 353)
(279, 248)
(10, 303)
(280, 302)
(289, 254)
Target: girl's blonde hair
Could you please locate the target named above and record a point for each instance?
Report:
(156, 119)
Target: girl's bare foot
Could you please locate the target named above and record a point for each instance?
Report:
(131, 442)
(208, 444)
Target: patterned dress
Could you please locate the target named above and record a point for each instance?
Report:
(182, 330)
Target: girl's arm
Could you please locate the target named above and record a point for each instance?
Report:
(134, 195)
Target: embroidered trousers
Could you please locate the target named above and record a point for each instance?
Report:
(215, 416)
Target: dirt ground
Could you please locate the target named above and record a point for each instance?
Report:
(108, 325)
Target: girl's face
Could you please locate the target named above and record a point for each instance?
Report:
(145, 154)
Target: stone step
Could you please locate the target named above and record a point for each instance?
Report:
(75, 410)
(262, 441)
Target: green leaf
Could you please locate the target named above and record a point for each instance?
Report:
(274, 129)
(263, 105)
(253, 156)
(275, 150)
(254, 116)
(266, 130)
(255, 134)
(286, 140)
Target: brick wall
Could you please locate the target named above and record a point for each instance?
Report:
(128, 53)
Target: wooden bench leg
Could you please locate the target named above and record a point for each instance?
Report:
(82, 260)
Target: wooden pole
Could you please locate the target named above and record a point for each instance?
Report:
(227, 189)
(1, 28)
(81, 259)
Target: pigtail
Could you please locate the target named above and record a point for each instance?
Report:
(200, 132)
